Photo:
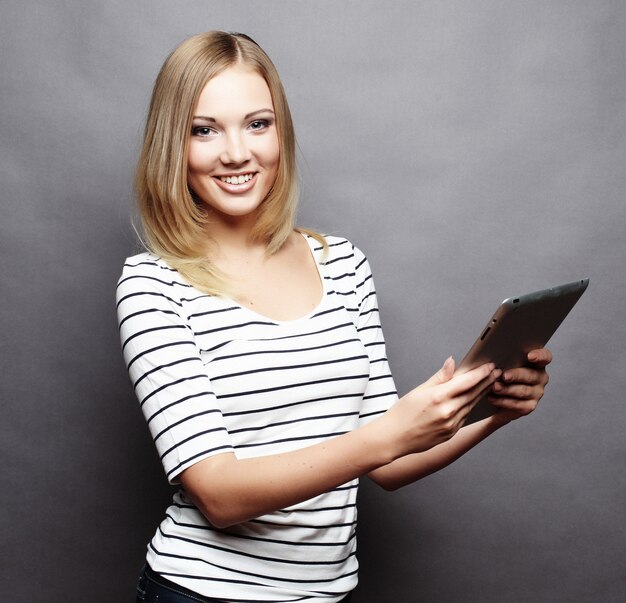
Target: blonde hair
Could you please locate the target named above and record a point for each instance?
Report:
(174, 224)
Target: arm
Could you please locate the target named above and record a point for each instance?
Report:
(185, 419)
(516, 394)
(229, 491)
(399, 446)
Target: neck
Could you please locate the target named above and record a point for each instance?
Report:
(232, 238)
(232, 231)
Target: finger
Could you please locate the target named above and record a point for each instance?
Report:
(444, 374)
(527, 375)
(466, 401)
(517, 391)
(473, 396)
(522, 407)
(541, 356)
(462, 383)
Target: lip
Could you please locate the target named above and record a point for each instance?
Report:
(235, 189)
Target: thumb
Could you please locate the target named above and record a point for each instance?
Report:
(443, 375)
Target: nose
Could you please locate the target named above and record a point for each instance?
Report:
(235, 150)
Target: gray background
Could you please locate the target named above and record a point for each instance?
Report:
(473, 149)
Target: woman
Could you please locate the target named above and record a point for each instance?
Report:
(257, 354)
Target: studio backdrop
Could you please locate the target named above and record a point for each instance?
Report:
(473, 150)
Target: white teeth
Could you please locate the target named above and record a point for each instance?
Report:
(243, 178)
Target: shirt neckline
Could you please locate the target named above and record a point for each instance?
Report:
(310, 242)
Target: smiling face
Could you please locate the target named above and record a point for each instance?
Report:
(233, 151)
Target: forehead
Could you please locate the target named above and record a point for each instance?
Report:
(236, 90)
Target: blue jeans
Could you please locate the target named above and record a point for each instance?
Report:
(154, 588)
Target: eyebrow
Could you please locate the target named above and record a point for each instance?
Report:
(247, 116)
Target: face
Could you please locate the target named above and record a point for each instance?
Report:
(233, 149)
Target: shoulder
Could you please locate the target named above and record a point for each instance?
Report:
(342, 263)
(147, 272)
(145, 264)
(343, 252)
(149, 265)
(336, 248)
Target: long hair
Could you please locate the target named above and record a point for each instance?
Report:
(174, 224)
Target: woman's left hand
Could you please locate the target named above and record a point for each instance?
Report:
(518, 391)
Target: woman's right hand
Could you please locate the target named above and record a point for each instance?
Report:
(435, 410)
(230, 490)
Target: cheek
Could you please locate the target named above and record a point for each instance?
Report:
(192, 160)
(273, 152)
(199, 158)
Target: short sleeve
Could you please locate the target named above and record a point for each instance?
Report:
(165, 368)
(381, 391)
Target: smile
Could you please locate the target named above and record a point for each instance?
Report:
(237, 184)
(240, 179)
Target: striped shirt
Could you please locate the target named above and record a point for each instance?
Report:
(212, 376)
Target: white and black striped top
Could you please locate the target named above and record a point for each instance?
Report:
(212, 376)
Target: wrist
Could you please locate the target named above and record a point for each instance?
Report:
(380, 440)
(499, 419)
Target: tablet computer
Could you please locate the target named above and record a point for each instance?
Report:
(519, 325)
